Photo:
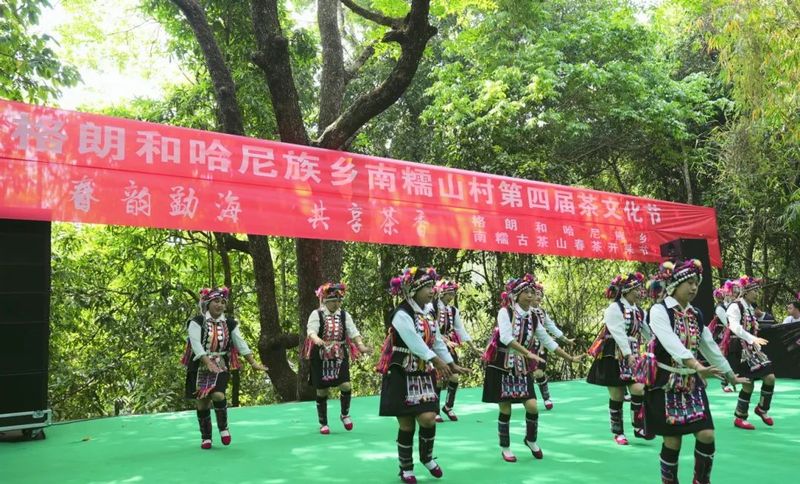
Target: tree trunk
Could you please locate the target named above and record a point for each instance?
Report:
(222, 248)
(270, 347)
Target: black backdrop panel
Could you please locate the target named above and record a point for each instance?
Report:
(25, 316)
(695, 249)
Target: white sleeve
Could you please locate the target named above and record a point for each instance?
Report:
(459, 327)
(551, 327)
(544, 338)
(615, 322)
(240, 343)
(662, 329)
(439, 346)
(195, 333)
(735, 323)
(313, 323)
(709, 349)
(404, 325)
(787, 320)
(350, 326)
(504, 324)
(721, 315)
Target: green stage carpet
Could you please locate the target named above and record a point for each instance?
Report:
(281, 443)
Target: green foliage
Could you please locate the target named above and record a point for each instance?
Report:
(29, 69)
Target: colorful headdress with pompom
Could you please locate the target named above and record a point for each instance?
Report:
(673, 273)
(655, 287)
(208, 294)
(445, 286)
(746, 284)
(719, 294)
(411, 280)
(623, 284)
(516, 286)
(331, 291)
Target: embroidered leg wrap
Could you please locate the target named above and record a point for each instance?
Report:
(345, 401)
(452, 387)
(426, 438)
(703, 460)
(743, 404)
(637, 414)
(405, 449)
(669, 465)
(439, 389)
(615, 414)
(531, 427)
(221, 411)
(502, 429)
(322, 410)
(204, 419)
(766, 396)
(543, 387)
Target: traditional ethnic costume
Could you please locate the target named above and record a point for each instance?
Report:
(746, 359)
(675, 396)
(452, 330)
(509, 375)
(623, 334)
(556, 333)
(330, 363)
(221, 341)
(408, 387)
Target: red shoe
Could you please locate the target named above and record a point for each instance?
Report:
(225, 436)
(621, 439)
(439, 418)
(548, 404)
(536, 453)
(324, 430)
(727, 389)
(408, 477)
(743, 424)
(206, 444)
(766, 418)
(508, 456)
(450, 414)
(435, 471)
(347, 421)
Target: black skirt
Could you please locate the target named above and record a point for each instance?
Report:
(493, 383)
(605, 368)
(741, 368)
(656, 419)
(394, 391)
(315, 375)
(191, 383)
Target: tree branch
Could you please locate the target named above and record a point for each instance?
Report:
(377, 17)
(412, 35)
(351, 71)
(224, 87)
(272, 56)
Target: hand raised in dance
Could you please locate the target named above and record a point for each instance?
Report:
(364, 349)
(709, 371)
(441, 367)
(531, 356)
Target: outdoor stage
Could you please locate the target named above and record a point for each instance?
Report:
(280, 443)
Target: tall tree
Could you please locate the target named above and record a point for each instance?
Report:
(316, 260)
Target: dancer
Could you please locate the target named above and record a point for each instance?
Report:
(676, 401)
(412, 355)
(540, 375)
(332, 340)
(452, 330)
(742, 345)
(616, 351)
(213, 346)
(511, 360)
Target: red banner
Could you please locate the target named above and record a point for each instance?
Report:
(78, 167)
